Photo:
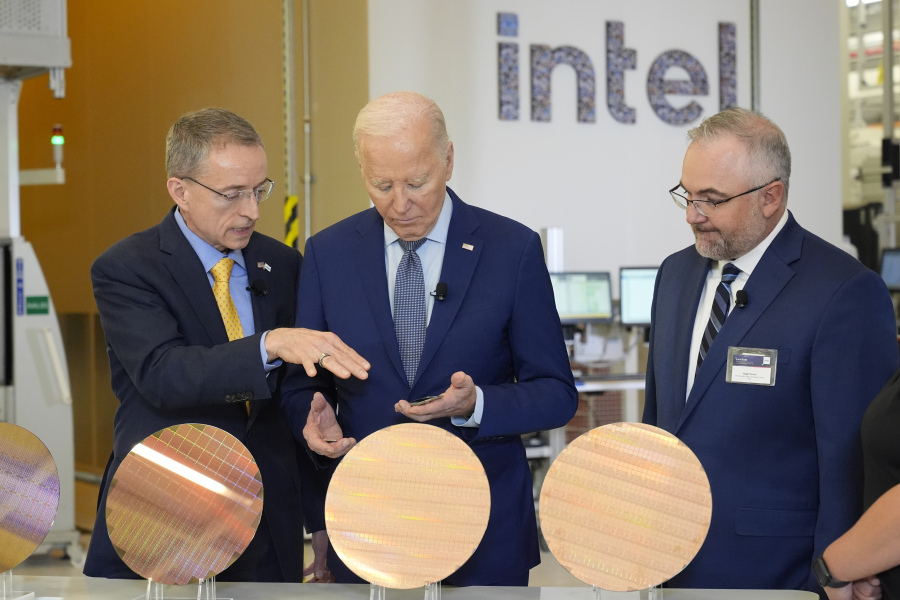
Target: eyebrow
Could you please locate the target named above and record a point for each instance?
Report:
(240, 187)
(709, 190)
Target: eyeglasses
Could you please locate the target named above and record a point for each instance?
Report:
(703, 206)
(259, 194)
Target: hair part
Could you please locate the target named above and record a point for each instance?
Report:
(192, 136)
(397, 112)
(769, 156)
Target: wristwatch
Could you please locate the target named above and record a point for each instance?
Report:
(824, 575)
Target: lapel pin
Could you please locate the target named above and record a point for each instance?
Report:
(262, 265)
(469, 247)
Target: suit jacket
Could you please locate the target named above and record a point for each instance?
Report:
(498, 324)
(172, 363)
(783, 461)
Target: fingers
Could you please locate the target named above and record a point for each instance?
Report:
(867, 589)
(416, 413)
(320, 551)
(322, 432)
(457, 401)
(334, 449)
(339, 358)
(316, 349)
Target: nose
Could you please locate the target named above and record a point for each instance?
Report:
(693, 216)
(399, 200)
(249, 207)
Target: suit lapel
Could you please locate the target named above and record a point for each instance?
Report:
(187, 270)
(263, 315)
(460, 258)
(769, 277)
(371, 271)
(686, 304)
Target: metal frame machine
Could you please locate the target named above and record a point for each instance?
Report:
(34, 379)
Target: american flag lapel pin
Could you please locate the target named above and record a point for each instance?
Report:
(263, 265)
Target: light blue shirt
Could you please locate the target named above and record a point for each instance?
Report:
(431, 254)
(237, 285)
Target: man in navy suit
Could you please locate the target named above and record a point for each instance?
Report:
(169, 352)
(765, 377)
(493, 344)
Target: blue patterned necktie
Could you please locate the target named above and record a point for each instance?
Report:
(719, 312)
(409, 308)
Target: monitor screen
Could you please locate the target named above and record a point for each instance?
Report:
(890, 268)
(636, 294)
(582, 297)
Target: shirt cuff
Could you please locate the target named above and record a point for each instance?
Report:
(268, 366)
(475, 419)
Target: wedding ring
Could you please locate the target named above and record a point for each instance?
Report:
(321, 358)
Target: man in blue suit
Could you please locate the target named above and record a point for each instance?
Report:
(493, 344)
(168, 343)
(764, 373)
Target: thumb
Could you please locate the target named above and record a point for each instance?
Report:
(458, 379)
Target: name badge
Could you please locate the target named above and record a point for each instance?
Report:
(754, 366)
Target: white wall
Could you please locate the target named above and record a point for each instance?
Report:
(800, 89)
(605, 183)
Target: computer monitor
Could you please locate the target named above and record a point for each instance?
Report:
(636, 294)
(582, 297)
(890, 268)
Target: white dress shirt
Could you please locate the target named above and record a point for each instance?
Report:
(746, 264)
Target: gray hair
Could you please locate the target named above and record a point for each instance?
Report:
(399, 111)
(193, 135)
(767, 147)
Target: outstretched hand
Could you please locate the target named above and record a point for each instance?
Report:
(322, 432)
(315, 348)
(457, 401)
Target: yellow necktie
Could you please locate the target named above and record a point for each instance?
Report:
(221, 273)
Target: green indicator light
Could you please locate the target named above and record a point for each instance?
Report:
(57, 140)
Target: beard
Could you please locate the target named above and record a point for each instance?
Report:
(712, 243)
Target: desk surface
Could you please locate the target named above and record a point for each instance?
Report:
(82, 588)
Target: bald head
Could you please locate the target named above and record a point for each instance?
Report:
(397, 113)
(768, 154)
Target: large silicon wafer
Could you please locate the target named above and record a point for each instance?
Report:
(407, 506)
(625, 507)
(184, 504)
(29, 494)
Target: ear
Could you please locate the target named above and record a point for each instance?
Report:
(176, 190)
(449, 161)
(773, 199)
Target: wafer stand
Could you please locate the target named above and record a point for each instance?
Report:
(406, 507)
(29, 499)
(183, 506)
(625, 507)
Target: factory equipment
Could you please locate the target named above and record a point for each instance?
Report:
(34, 379)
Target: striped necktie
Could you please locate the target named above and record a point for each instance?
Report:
(719, 312)
(409, 308)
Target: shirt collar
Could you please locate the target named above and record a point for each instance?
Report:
(208, 255)
(437, 234)
(748, 262)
